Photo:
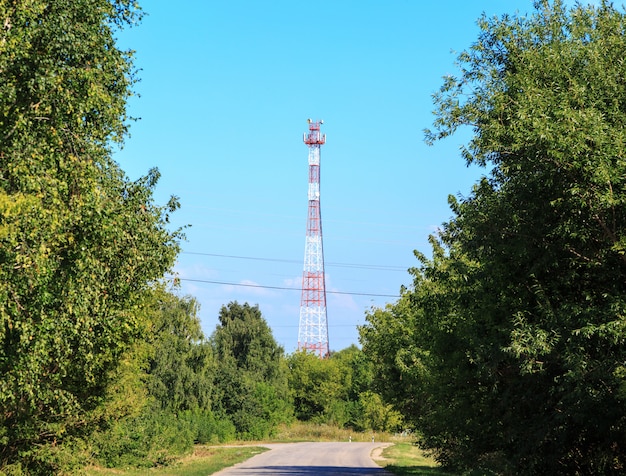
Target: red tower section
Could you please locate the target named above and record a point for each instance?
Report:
(313, 329)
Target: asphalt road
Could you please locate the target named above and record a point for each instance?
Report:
(311, 459)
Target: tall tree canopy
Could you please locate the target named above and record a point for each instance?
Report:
(251, 378)
(317, 386)
(79, 242)
(181, 366)
(517, 323)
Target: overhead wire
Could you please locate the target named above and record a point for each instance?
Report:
(279, 260)
(282, 288)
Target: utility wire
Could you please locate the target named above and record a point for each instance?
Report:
(277, 260)
(282, 288)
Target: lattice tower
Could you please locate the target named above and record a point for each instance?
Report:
(313, 329)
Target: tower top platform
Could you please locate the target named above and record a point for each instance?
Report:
(314, 137)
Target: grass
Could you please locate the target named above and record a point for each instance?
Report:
(300, 431)
(406, 459)
(204, 460)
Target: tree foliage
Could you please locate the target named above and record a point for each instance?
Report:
(79, 242)
(181, 366)
(251, 378)
(518, 319)
(316, 387)
(338, 391)
(360, 394)
(175, 369)
(390, 343)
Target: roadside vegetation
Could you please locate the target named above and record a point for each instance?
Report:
(406, 459)
(402, 458)
(506, 355)
(202, 462)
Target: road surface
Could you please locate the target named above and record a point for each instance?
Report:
(311, 459)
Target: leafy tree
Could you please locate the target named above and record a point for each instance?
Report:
(374, 414)
(519, 316)
(181, 367)
(359, 395)
(251, 379)
(79, 243)
(338, 391)
(356, 369)
(176, 393)
(389, 342)
(317, 386)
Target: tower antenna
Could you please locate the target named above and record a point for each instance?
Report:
(313, 329)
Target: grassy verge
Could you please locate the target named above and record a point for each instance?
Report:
(204, 460)
(406, 459)
(300, 431)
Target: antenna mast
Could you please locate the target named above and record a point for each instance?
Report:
(313, 329)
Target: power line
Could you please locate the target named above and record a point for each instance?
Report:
(282, 288)
(274, 326)
(278, 260)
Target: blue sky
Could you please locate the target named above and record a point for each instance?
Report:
(226, 89)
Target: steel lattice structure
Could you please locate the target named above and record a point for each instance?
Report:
(313, 329)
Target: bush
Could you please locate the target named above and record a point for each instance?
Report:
(338, 413)
(374, 414)
(154, 438)
(208, 428)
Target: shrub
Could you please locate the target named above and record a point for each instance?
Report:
(154, 438)
(209, 428)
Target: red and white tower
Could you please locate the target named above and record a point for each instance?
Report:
(313, 329)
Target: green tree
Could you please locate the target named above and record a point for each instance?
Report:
(338, 390)
(359, 395)
(251, 378)
(374, 414)
(79, 243)
(519, 316)
(317, 387)
(390, 343)
(356, 369)
(181, 366)
(176, 369)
